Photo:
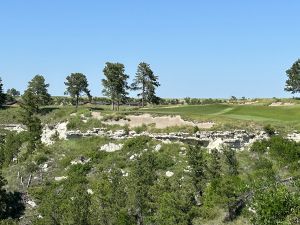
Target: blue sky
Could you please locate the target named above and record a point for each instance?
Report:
(197, 48)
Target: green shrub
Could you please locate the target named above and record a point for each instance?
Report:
(126, 129)
(140, 129)
(272, 205)
(79, 170)
(74, 123)
(40, 158)
(31, 167)
(196, 129)
(284, 150)
(260, 146)
(269, 130)
(136, 144)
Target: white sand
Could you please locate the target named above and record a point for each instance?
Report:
(159, 122)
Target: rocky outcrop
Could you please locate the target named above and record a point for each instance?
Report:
(14, 127)
(49, 132)
(211, 139)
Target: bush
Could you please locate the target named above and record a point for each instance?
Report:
(140, 129)
(269, 130)
(284, 150)
(272, 206)
(31, 167)
(136, 144)
(41, 158)
(74, 123)
(260, 146)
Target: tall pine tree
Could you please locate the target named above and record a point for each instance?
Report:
(115, 85)
(146, 82)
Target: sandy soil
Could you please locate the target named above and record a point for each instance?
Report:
(160, 122)
(96, 115)
(281, 104)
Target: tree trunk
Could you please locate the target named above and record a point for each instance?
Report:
(112, 105)
(143, 95)
(118, 105)
(77, 101)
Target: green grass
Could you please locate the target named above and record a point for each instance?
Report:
(287, 117)
(226, 116)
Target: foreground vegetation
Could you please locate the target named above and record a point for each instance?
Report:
(149, 182)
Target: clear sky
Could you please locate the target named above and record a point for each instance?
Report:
(198, 48)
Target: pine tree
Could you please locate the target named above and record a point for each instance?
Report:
(231, 161)
(115, 85)
(143, 178)
(2, 95)
(146, 82)
(40, 89)
(30, 108)
(198, 166)
(76, 84)
(293, 82)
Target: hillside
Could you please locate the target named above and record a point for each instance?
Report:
(163, 175)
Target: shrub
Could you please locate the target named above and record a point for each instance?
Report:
(31, 167)
(74, 123)
(140, 129)
(136, 144)
(259, 146)
(41, 158)
(269, 130)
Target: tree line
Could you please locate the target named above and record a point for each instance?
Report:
(115, 86)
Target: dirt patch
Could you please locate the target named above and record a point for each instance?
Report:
(160, 122)
(96, 115)
(282, 104)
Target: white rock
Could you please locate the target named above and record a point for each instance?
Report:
(111, 147)
(215, 144)
(169, 174)
(133, 156)
(31, 203)
(47, 133)
(15, 127)
(90, 191)
(45, 167)
(81, 160)
(60, 178)
(167, 141)
(157, 147)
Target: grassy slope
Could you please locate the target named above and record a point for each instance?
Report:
(227, 116)
(287, 117)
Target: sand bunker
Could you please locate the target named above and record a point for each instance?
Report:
(159, 122)
(282, 104)
(96, 115)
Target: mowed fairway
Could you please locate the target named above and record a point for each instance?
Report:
(283, 116)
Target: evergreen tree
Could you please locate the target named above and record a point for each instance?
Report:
(231, 161)
(30, 108)
(40, 89)
(13, 92)
(67, 202)
(146, 82)
(109, 200)
(293, 82)
(215, 168)
(115, 84)
(198, 166)
(2, 95)
(2, 197)
(76, 84)
(143, 178)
